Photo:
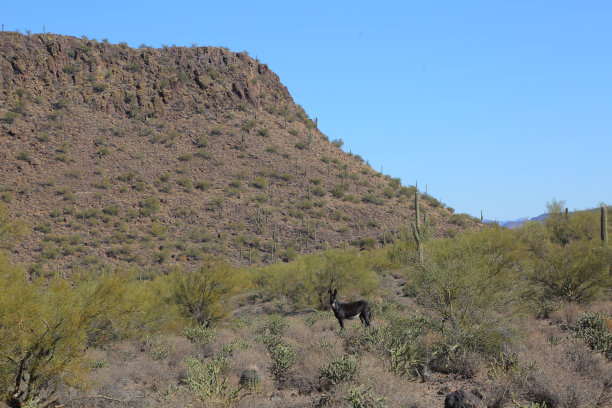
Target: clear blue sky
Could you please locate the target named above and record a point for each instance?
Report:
(496, 106)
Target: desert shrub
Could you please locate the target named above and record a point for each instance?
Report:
(575, 272)
(149, 206)
(301, 145)
(24, 155)
(202, 141)
(111, 209)
(260, 182)
(204, 379)
(476, 295)
(157, 344)
(400, 344)
(185, 182)
(10, 230)
(566, 374)
(217, 130)
(265, 132)
(595, 330)
(57, 320)
(201, 295)
(250, 124)
(307, 279)
(339, 190)
(185, 157)
(461, 220)
(338, 370)
(365, 243)
(203, 184)
(10, 117)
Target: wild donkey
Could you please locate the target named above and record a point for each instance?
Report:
(351, 310)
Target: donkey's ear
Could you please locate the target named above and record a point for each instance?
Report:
(335, 292)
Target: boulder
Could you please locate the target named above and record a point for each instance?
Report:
(463, 399)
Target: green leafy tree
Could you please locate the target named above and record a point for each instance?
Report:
(474, 285)
(576, 272)
(307, 280)
(201, 295)
(45, 327)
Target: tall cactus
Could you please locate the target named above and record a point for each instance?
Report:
(419, 234)
(604, 225)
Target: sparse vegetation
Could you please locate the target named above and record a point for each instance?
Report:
(219, 296)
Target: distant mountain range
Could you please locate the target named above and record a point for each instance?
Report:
(518, 222)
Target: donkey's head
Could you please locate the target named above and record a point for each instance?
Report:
(332, 298)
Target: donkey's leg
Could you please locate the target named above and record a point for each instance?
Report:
(367, 314)
(341, 321)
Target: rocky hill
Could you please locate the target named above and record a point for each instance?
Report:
(156, 157)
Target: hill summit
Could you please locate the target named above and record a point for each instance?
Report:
(158, 157)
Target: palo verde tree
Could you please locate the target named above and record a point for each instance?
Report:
(45, 326)
(202, 295)
(473, 283)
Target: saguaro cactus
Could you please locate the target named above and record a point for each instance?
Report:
(419, 234)
(604, 225)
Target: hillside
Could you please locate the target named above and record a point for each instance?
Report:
(154, 157)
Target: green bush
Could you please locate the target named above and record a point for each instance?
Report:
(260, 182)
(575, 272)
(201, 295)
(57, 321)
(475, 286)
(307, 279)
(149, 206)
(203, 184)
(371, 198)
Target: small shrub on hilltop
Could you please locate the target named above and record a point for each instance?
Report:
(149, 206)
